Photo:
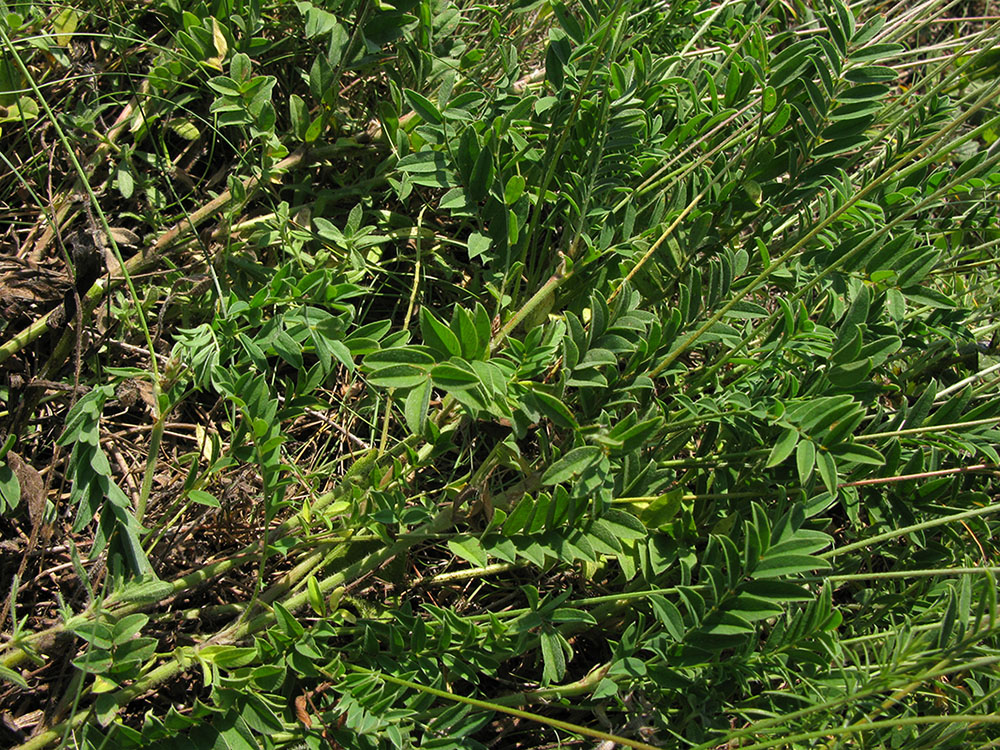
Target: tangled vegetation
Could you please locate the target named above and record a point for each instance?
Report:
(434, 374)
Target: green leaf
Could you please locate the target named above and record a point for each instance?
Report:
(415, 409)
(569, 23)
(875, 51)
(871, 74)
(231, 657)
(477, 244)
(668, 615)
(805, 460)
(203, 498)
(572, 464)
(454, 199)
(769, 99)
(454, 375)
(778, 591)
(753, 608)
(780, 119)
(482, 174)
(725, 623)
(519, 516)
(778, 566)
(128, 626)
(398, 376)
(623, 525)
(555, 410)
(9, 675)
(469, 549)
(514, 190)
(126, 183)
(865, 92)
(400, 355)
(423, 107)
(10, 489)
(850, 374)
(827, 467)
(438, 336)
(464, 328)
(146, 591)
(602, 538)
(427, 168)
(783, 447)
(857, 453)
(553, 656)
(299, 115)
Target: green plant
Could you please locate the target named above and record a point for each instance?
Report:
(511, 375)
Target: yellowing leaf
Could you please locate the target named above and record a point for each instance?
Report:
(184, 128)
(219, 40)
(64, 25)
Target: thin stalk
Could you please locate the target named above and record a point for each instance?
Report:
(787, 719)
(897, 574)
(492, 706)
(920, 475)
(966, 381)
(913, 528)
(467, 573)
(925, 430)
(903, 721)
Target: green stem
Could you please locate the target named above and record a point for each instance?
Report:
(152, 454)
(895, 574)
(895, 533)
(493, 706)
(903, 721)
(922, 430)
(549, 287)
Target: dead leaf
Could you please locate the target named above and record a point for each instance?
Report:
(32, 487)
(123, 236)
(300, 711)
